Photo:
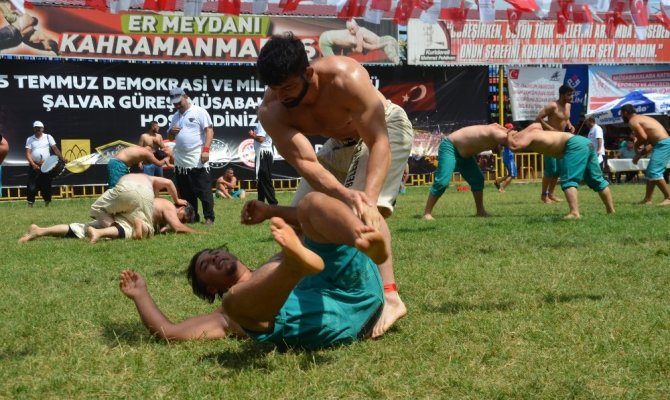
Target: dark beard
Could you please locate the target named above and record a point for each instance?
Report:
(303, 92)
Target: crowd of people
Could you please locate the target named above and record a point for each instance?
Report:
(326, 286)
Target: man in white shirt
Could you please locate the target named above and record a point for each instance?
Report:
(264, 158)
(192, 130)
(597, 138)
(38, 148)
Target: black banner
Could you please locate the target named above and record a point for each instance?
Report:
(89, 106)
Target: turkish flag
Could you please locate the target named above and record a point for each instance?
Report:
(383, 5)
(352, 9)
(231, 7)
(561, 23)
(454, 10)
(403, 12)
(100, 5)
(582, 14)
(663, 18)
(564, 8)
(513, 16)
(160, 5)
(640, 16)
(424, 4)
(289, 5)
(614, 18)
(524, 5)
(411, 96)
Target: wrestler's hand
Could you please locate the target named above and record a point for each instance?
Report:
(132, 284)
(180, 203)
(636, 159)
(358, 202)
(254, 212)
(372, 217)
(571, 128)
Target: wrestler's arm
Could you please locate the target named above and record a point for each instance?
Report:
(171, 218)
(641, 145)
(209, 326)
(209, 136)
(368, 118)
(166, 184)
(568, 108)
(298, 151)
(149, 156)
(548, 110)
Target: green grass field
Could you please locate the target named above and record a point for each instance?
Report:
(519, 305)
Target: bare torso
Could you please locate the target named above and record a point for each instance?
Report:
(559, 118)
(152, 141)
(647, 130)
(551, 143)
(329, 113)
(134, 155)
(472, 140)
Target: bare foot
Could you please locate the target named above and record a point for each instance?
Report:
(665, 202)
(497, 185)
(483, 214)
(554, 198)
(371, 242)
(645, 202)
(501, 190)
(572, 216)
(30, 234)
(394, 309)
(92, 234)
(428, 217)
(297, 256)
(546, 200)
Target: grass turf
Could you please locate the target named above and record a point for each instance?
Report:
(519, 305)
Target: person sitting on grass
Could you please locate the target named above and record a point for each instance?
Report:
(580, 161)
(324, 292)
(226, 186)
(457, 152)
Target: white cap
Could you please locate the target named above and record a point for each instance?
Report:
(38, 124)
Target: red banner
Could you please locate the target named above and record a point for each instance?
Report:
(535, 42)
(85, 33)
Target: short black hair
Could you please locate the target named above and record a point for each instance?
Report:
(564, 89)
(282, 57)
(198, 287)
(628, 108)
(189, 212)
(151, 123)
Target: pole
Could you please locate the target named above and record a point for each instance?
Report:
(501, 100)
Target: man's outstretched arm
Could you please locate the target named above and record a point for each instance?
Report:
(166, 184)
(209, 326)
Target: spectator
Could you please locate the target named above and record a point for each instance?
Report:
(264, 159)
(627, 151)
(38, 148)
(191, 129)
(226, 186)
(153, 141)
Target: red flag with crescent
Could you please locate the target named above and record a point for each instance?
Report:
(412, 96)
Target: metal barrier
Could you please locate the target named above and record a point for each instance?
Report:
(530, 167)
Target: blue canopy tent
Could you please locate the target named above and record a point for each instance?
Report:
(644, 103)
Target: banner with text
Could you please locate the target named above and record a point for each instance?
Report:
(531, 89)
(137, 35)
(536, 42)
(613, 82)
(94, 109)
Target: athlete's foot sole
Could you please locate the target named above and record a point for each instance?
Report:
(665, 202)
(371, 242)
(428, 217)
(30, 234)
(572, 216)
(297, 256)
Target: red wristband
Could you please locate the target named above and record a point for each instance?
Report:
(390, 287)
(205, 149)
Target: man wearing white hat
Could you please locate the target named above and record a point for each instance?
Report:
(192, 130)
(38, 148)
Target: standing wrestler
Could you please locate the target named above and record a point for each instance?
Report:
(457, 153)
(369, 142)
(38, 148)
(650, 135)
(153, 141)
(191, 129)
(557, 114)
(120, 165)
